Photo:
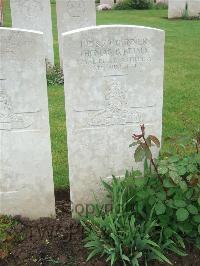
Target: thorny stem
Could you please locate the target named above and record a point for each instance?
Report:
(153, 163)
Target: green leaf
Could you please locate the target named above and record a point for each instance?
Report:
(180, 203)
(199, 228)
(182, 214)
(183, 186)
(174, 159)
(189, 194)
(139, 154)
(196, 218)
(161, 195)
(124, 257)
(192, 209)
(162, 169)
(148, 141)
(148, 153)
(93, 254)
(168, 232)
(174, 176)
(133, 144)
(167, 183)
(160, 255)
(155, 140)
(139, 181)
(160, 208)
(198, 200)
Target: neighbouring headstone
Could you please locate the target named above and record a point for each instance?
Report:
(1, 13)
(26, 178)
(113, 83)
(74, 14)
(181, 8)
(34, 15)
(109, 2)
(161, 1)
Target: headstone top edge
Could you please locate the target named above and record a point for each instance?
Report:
(112, 27)
(21, 30)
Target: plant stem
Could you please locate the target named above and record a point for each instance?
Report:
(154, 165)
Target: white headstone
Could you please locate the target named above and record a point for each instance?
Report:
(109, 2)
(176, 8)
(162, 1)
(26, 178)
(113, 83)
(34, 15)
(74, 14)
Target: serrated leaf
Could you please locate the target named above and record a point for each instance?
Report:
(174, 176)
(198, 200)
(133, 144)
(167, 183)
(180, 203)
(161, 195)
(160, 208)
(155, 140)
(189, 194)
(148, 153)
(139, 154)
(183, 186)
(196, 218)
(148, 141)
(182, 214)
(174, 159)
(192, 209)
(162, 169)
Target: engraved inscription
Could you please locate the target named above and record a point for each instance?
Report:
(75, 8)
(112, 54)
(9, 120)
(116, 110)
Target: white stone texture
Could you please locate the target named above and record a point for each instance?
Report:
(26, 176)
(113, 83)
(34, 15)
(74, 14)
(109, 2)
(176, 8)
(162, 1)
(104, 7)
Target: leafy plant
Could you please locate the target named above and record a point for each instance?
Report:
(118, 235)
(151, 214)
(160, 6)
(54, 75)
(175, 188)
(124, 5)
(134, 4)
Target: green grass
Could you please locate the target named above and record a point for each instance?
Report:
(181, 114)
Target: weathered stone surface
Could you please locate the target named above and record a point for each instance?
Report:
(104, 7)
(34, 15)
(74, 14)
(26, 178)
(113, 83)
(109, 2)
(176, 8)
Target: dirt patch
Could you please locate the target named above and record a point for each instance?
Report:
(59, 241)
